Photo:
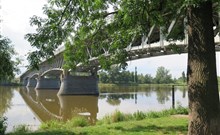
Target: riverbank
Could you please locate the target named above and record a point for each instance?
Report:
(152, 123)
(133, 84)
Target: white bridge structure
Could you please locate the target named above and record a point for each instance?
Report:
(51, 75)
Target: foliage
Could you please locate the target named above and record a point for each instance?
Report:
(163, 76)
(3, 125)
(184, 76)
(182, 79)
(117, 76)
(8, 67)
(94, 29)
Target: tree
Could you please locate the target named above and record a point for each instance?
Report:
(202, 78)
(8, 67)
(114, 74)
(184, 76)
(163, 76)
(140, 79)
(148, 78)
(103, 77)
(182, 79)
(96, 30)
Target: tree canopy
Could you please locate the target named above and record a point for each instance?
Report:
(95, 28)
(163, 76)
(118, 76)
(92, 28)
(8, 67)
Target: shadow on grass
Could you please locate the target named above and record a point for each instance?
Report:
(45, 133)
(154, 129)
(150, 129)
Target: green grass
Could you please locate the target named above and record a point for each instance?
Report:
(139, 123)
(149, 126)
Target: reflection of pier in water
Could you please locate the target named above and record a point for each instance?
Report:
(46, 105)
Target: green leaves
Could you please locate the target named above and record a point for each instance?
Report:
(163, 76)
(101, 27)
(7, 65)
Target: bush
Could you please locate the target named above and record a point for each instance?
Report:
(3, 125)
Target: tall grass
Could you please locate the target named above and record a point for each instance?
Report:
(78, 122)
(21, 129)
(74, 122)
(53, 124)
(118, 116)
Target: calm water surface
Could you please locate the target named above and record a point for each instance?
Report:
(31, 107)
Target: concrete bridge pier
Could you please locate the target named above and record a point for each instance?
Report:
(48, 83)
(25, 82)
(32, 82)
(78, 85)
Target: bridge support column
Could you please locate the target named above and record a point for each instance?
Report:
(25, 82)
(79, 85)
(31, 82)
(48, 83)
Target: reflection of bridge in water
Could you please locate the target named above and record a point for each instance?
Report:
(46, 105)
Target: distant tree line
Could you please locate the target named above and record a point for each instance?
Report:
(119, 76)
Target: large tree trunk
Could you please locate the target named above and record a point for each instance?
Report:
(202, 78)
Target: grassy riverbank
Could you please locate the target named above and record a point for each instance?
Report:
(152, 123)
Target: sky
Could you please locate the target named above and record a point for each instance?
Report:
(16, 16)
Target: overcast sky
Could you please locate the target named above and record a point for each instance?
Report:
(16, 16)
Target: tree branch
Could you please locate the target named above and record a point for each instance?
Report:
(115, 12)
(68, 3)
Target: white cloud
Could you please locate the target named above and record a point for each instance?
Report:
(175, 63)
(16, 16)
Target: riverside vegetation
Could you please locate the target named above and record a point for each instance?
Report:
(163, 122)
(116, 75)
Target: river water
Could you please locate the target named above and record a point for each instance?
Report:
(31, 107)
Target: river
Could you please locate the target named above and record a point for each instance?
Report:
(31, 107)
